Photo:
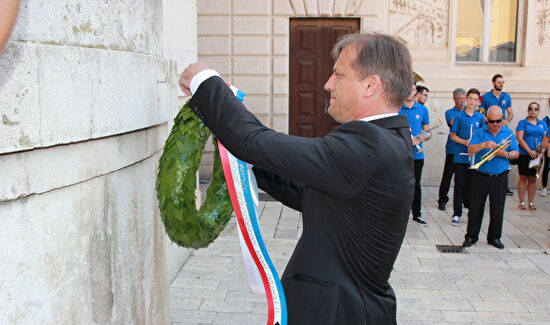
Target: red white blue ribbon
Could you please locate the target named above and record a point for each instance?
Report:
(262, 275)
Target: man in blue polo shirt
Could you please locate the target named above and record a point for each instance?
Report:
(459, 97)
(419, 122)
(464, 126)
(498, 97)
(491, 178)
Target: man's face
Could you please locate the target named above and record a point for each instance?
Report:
(494, 120)
(423, 97)
(472, 100)
(460, 101)
(498, 84)
(346, 90)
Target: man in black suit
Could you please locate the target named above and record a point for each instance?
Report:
(354, 186)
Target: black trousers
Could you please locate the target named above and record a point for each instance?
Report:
(417, 199)
(545, 171)
(462, 188)
(495, 187)
(448, 171)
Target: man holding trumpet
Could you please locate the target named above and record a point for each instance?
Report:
(494, 145)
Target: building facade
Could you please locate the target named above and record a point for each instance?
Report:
(262, 47)
(87, 93)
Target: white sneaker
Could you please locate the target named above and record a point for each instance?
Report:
(543, 192)
(455, 221)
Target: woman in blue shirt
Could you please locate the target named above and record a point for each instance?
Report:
(530, 133)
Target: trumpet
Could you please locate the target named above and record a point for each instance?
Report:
(539, 155)
(470, 157)
(505, 143)
(480, 110)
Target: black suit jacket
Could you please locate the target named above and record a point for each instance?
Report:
(354, 188)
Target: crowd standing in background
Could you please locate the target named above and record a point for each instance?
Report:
(479, 151)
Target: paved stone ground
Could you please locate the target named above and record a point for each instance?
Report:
(484, 286)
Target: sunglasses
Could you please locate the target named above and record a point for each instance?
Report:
(495, 121)
(534, 109)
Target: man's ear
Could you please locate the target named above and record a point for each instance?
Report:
(373, 86)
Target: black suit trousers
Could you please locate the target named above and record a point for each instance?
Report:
(495, 187)
(448, 171)
(462, 188)
(417, 199)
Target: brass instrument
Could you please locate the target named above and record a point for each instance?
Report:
(505, 143)
(539, 155)
(432, 108)
(470, 157)
(480, 110)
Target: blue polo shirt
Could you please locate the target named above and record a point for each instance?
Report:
(497, 165)
(532, 134)
(504, 101)
(462, 126)
(418, 116)
(450, 114)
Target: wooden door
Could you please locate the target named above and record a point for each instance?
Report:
(311, 41)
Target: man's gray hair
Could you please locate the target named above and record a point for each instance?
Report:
(459, 91)
(384, 56)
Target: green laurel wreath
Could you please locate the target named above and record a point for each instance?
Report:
(176, 184)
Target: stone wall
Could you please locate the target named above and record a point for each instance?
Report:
(86, 96)
(248, 43)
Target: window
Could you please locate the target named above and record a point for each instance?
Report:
(487, 31)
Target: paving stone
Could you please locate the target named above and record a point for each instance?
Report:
(417, 293)
(226, 306)
(182, 293)
(424, 315)
(246, 296)
(533, 318)
(192, 316)
(443, 304)
(504, 306)
(484, 317)
(434, 284)
(185, 303)
(239, 319)
(193, 283)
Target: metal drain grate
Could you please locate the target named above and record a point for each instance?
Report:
(450, 249)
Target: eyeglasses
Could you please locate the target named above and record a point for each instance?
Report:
(495, 121)
(534, 109)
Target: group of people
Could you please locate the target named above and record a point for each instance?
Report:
(479, 151)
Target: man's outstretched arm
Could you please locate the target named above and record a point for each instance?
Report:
(8, 12)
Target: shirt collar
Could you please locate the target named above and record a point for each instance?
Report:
(377, 117)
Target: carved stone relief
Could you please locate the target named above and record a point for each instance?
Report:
(421, 23)
(543, 22)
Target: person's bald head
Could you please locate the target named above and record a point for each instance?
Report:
(494, 112)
